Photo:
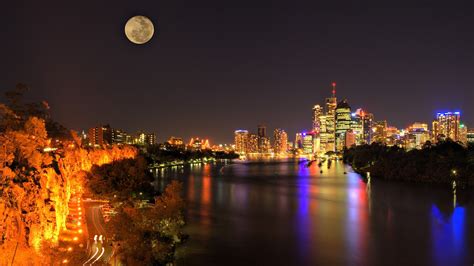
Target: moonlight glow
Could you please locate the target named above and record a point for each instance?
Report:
(139, 29)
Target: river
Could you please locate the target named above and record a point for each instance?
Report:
(284, 213)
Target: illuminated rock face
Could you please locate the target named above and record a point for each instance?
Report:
(35, 188)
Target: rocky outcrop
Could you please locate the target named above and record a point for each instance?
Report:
(35, 186)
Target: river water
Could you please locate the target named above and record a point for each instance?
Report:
(284, 213)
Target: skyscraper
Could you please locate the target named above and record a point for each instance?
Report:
(367, 125)
(323, 135)
(317, 113)
(280, 140)
(299, 141)
(263, 141)
(252, 144)
(241, 139)
(357, 127)
(331, 105)
(343, 123)
(447, 125)
(379, 131)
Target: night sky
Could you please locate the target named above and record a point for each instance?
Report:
(216, 66)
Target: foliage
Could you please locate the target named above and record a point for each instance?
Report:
(441, 163)
(120, 178)
(160, 154)
(149, 235)
(16, 112)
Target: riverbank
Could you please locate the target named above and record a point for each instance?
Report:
(444, 163)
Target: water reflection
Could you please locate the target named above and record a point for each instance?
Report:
(289, 214)
(448, 236)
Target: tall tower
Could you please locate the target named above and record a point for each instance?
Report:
(447, 126)
(263, 141)
(280, 141)
(343, 124)
(317, 113)
(331, 105)
(241, 139)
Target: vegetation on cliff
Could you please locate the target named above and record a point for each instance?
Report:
(443, 162)
(37, 180)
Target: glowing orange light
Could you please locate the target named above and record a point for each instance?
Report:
(65, 261)
(69, 249)
(75, 238)
(80, 231)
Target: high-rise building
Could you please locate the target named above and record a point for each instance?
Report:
(252, 144)
(343, 123)
(331, 105)
(308, 142)
(241, 139)
(299, 141)
(379, 131)
(447, 126)
(317, 113)
(99, 136)
(470, 136)
(280, 141)
(367, 120)
(263, 141)
(357, 127)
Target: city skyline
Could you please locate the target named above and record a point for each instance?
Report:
(403, 62)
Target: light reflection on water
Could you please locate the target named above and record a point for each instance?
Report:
(288, 214)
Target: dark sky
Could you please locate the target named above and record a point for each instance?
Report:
(216, 66)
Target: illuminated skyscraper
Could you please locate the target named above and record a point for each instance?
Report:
(241, 139)
(252, 144)
(367, 125)
(263, 140)
(299, 141)
(331, 104)
(343, 123)
(317, 113)
(357, 127)
(280, 141)
(446, 126)
(323, 135)
(379, 131)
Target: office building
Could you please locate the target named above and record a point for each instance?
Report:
(240, 141)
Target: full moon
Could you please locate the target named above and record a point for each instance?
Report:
(139, 29)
